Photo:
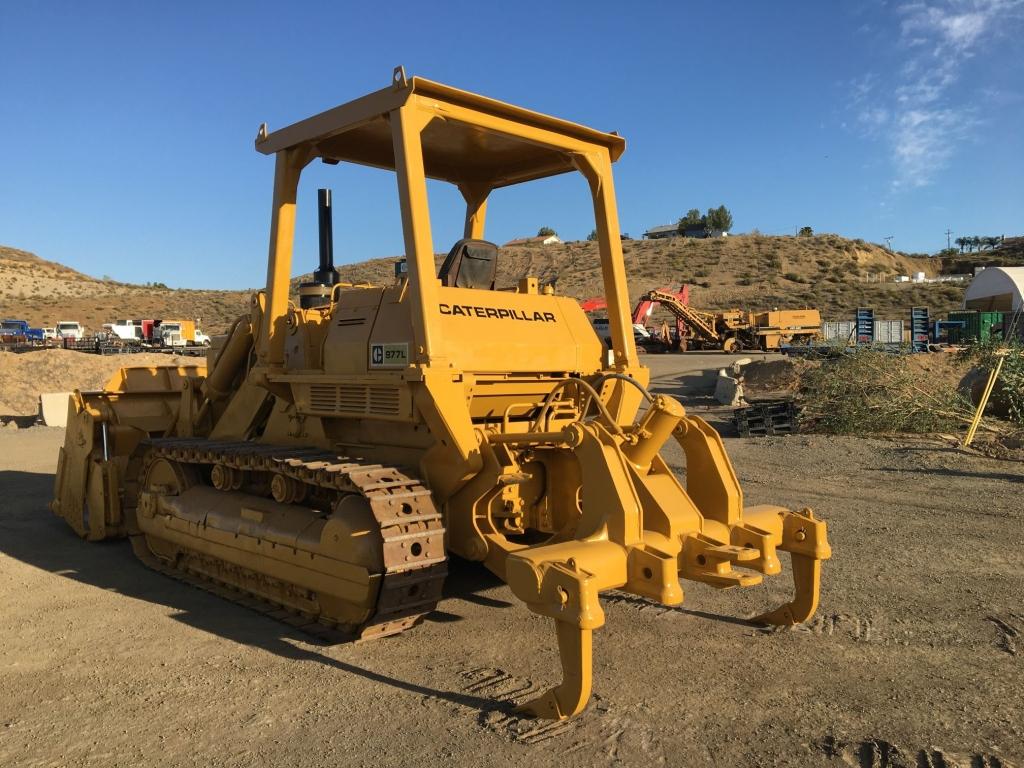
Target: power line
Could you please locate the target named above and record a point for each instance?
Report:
(948, 233)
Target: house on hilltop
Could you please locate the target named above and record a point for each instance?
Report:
(542, 240)
(663, 231)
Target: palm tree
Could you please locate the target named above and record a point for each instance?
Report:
(961, 241)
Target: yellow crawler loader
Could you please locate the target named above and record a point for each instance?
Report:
(330, 455)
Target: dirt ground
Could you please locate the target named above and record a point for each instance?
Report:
(916, 656)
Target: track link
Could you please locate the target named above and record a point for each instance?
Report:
(411, 528)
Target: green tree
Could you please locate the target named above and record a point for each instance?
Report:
(806, 232)
(691, 219)
(719, 219)
(592, 236)
(546, 232)
(961, 242)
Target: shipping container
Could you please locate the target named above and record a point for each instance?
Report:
(889, 332)
(839, 332)
(977, 326)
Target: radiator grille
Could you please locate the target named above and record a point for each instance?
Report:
(323, 397)
(355, 399)
(384, 400)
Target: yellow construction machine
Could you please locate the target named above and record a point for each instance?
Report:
(734, 330)
(331, 455)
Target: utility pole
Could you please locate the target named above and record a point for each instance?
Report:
(948, 233)
(888, 243)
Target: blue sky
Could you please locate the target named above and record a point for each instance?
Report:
(127, 129)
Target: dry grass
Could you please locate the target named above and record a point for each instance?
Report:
(870, 391)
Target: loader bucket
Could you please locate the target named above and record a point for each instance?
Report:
(103, 428)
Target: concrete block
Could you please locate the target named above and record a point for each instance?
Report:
(728, 390)
(53, 408)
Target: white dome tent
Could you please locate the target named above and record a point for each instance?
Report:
(996, 289)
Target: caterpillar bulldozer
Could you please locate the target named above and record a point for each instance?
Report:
(332, 453)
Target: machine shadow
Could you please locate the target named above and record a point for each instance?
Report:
(30, 533)
(1009, 477)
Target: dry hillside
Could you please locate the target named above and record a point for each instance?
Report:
(1009, 254)
(44, 292)
(752, 271)
(832, 273)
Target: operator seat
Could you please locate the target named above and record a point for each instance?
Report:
(470, 264)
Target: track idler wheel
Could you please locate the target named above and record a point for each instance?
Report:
(287, 490)
(226, 478)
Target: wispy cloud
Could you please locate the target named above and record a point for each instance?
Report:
(914, 112)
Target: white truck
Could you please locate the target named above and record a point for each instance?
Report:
(600, 324)
(181, 333)
(127, 330)
(70, 329)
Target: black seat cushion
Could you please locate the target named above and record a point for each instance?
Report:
(470, 264)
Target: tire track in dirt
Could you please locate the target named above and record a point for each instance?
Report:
(1007, 627)
(621, 739)
(880, 753)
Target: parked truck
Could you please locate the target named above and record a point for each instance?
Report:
(18, 332)
(127, 330)
(70, 329)
(174, 333)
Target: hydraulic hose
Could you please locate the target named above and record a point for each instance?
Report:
(623, 377)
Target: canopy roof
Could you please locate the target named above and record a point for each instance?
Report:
(997, 289)
(468, 138)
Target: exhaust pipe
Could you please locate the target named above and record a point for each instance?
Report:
(317, 292)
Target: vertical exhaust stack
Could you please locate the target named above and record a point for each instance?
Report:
(317, 292)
